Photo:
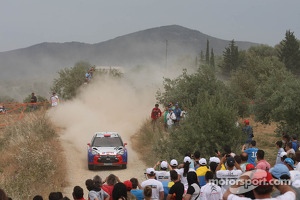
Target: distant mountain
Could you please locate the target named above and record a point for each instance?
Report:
(143, 47)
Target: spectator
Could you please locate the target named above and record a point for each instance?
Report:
(54, 100)
(37, 197)
(213, 164)
(33, 102)
(247, 129)
(193, 191)
(95, 191)
(262, 187)
(285, 140)
(78, 193)
(171, 118)
(289, 163)
(2, 109)
(297, 161)
(283, 156)
(251, 151)
(201, 171)
(136, 189)
(244, 159)
(3, 195)
(184, 171)
(110, 181)
(177, 112)
(280, 150)
(196, 159)
(119, 192)
(249, 167)
(210, 191)
(233, 171)
(155, 114)
(261, 162)
(295, 143)
(156, 186)
(128, 185)
(177, 190)
(162, 174)
(165, 118)
(55, 196)
(147, 192)
(289, 149)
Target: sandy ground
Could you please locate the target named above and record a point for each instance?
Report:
(113, 106)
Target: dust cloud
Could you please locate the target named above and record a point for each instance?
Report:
(105, 104)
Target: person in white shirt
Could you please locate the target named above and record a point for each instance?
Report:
(54, 100)
(210, 191)
(157, 186)
(233, 172)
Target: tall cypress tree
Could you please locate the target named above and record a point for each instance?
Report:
(289, 52)
(230, 58)
(207, 53)
(212, 58)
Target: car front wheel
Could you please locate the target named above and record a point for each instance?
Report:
(91, 167)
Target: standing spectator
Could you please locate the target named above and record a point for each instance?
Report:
(2, 109)
(177, 190)
(95, 191)
(297, 161)
(165, 118)
(3, 195)
(110, 181)
(155, 114)
(247, 129)
(201, 171)
(128, 185)
(280, 150)
(78, 193)
(244, 159)
(54, 100)
(196, 159)
(289, 149)
(233, 171)
(39, 197)
(33, 101)
(136, 189)
(295, 143)
(156, 186)
(177, 112)
(119, 192)
(261, 162)
(171, 118)
(193, 191)
(184, 171)
(285, 140)
(251, 151)
(289, 163)
(162, 174)
(210, 191)
(147, 193)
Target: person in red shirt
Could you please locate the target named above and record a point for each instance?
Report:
(155, 114)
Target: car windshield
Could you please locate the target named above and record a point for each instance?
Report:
(107, 142)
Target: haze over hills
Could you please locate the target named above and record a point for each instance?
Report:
(151, 47)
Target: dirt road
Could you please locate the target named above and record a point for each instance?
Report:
(113, 106)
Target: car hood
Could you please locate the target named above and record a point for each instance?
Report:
(107, 150)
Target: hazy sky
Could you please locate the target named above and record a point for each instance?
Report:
(29, 22)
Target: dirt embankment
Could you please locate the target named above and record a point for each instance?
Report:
(113, 106)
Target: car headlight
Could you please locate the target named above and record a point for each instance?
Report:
(121, 151)
(94, 152)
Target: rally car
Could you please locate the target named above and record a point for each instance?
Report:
(107, 149)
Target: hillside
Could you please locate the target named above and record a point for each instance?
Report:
(34, 68)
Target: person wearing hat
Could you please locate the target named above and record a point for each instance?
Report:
(157, 186)
(162, 174)
(210, 191)
(201, 171)
(54, 100)
(232, 172)
(247, 129)
(128, 185)
(289, 163)
(184, 170)
(262, 186)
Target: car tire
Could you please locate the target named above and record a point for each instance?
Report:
(124, 166)
(91, 167)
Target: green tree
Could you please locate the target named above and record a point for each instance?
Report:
(289, 52)
(70, 79)
(212, 58)
(207, 53)
(211, 114)
(230, 58)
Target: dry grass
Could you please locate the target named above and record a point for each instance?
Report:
(31, 161)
